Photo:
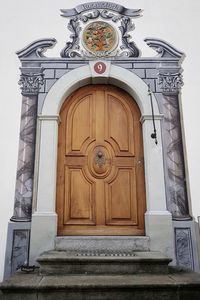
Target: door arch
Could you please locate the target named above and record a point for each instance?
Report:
(100, 174)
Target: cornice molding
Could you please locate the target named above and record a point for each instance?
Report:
(37, 48)
(163, 48)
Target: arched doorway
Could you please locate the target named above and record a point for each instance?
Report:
(100, 176)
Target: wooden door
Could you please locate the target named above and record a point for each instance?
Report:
(100, 177)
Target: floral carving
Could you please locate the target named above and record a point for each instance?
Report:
(31, 83)
(170, 82)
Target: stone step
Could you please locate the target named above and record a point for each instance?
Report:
(103, 243)
(173, 286)
(65, 262)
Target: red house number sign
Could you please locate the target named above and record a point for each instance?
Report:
(100, 67)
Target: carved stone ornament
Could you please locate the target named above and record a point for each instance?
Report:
(31, 83)
(164, 49)
(88, 42)
(170, 82)
(101, 5)
(36, 49)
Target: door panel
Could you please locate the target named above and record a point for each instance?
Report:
(119, 125)
(121, 199)
(78, 198)
(79, 125)
(100, 179)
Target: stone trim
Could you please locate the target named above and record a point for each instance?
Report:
(49, 118)
(149, 117)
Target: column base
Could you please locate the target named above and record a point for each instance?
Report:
(17, 247)
(17, 219)
(159, 228)
(43, 233)
(187, 244)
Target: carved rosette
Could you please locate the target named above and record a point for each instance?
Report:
(31, 83)
(170, 82)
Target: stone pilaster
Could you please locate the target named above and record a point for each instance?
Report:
(177, 201)
(176, 189)
(30, 80)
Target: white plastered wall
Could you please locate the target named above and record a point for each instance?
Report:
(44, 220)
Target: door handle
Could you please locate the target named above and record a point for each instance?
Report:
(100, 159)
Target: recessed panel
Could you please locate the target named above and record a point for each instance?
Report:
(118, 123)
(121, 198)
(79, 197)
(81, 124)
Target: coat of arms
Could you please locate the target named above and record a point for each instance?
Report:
(99, 38)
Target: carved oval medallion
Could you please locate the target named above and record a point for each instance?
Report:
(99, 161)
(99, 38)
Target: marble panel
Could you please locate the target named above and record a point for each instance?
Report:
(177, 202)
(20, 249)
(25, 168)
(184, 253)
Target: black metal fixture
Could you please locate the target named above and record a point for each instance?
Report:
(154, 134)
(26, 267)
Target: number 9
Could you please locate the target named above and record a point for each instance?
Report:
(99, 67)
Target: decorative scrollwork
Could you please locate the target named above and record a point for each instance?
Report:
(170, 82)
(125, 47)
(127, 26)
(36, 49)
(71, 48)
(90, 16)
(163, 48)
(104, 14)
(108, 15)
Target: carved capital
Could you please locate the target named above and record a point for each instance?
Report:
(31, 82)
(170, 82)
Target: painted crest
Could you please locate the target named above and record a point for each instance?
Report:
(99, 38)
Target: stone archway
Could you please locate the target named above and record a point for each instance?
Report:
(44, 215)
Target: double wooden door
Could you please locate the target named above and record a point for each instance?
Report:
(100, 177)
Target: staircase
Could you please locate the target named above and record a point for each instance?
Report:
(120, 268)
